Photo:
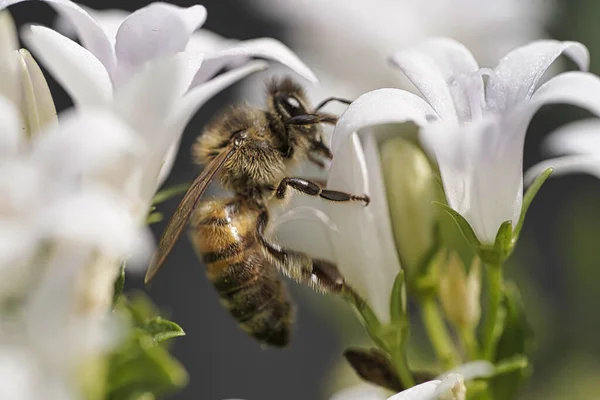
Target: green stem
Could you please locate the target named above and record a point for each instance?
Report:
(489, 330)
(438, 332)
(399, 360)
(469, 342)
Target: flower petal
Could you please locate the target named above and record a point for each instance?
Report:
(109, 20)
(154, 31)
(265, 48)
(148, 99)
(518, 73)
(366, 257)
(424, 391)
(168, 163)
(81, 74)
(471, 370)
(481, 166)
(199, 95)
(584, 163)
(451, 388)
(93, 141)
(431, 66)
(360, 392)
(581, 137)
(9, 43)
(90, 33)
(38, 106)
(382, 106)
(581, 89)
(290, 230)
(11, 135)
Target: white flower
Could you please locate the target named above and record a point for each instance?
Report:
(475, 131)
(451, 387)
(143, 73)
(23, 82)
(60, 221)
(374, 29)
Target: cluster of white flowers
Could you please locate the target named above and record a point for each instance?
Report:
(75, 194)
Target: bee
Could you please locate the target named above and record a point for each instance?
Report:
(251, 150)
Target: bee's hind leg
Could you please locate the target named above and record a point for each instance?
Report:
(319, 274)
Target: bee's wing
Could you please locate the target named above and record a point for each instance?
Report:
(184, 211)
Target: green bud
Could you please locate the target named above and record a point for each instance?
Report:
(410, 189)
(459, 292)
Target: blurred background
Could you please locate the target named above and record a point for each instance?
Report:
(346, 42)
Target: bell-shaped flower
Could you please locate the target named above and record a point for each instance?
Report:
(143, 73)
(23, 82)
(474, 129)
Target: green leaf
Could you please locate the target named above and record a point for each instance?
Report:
(398, 299)
(154, 218)
(168, 193)
(463, 225)
(513, 344)
(161, 329)
(142, 368)
(530, 194)
(119, 284)
(502, 247)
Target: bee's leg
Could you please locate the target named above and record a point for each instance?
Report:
(330, 99)
(321, 275)
(312, 189)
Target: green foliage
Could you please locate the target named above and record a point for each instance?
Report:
(141, 368)
(170, 192)
(512, 347)
(463, 225)
(530, 194)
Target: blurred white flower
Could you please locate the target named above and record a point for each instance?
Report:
(23, 82)
(372, 30)
(451, 387)
(60, 222)
(143, 72)
(577, 146)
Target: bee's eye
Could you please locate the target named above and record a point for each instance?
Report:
(291, 105)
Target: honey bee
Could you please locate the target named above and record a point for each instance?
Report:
(251, 150)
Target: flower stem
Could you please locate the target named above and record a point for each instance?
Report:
(469, 342)
(490, 324)
(438, 332)
(399, 360)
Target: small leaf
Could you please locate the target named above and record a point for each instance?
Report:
(530, 194)
(463, 225)
(398, 299)
(503, 245)
(119, 284)
(154, 218)
(161, 329)
(168, 193)
(374, 366)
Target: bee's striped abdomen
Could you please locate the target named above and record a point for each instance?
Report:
(249, 286)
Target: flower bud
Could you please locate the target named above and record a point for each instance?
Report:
(410, 190)
(23, 82)
(459, 292)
